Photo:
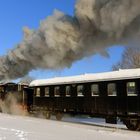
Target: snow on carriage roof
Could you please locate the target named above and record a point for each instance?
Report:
(105, 76)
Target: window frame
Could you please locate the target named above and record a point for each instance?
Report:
(98, 93)
(55, 88)
(36, 92)
(19, 87)
(47, 95)
(1, 89)
(80, 95)
(135, 86)
(112, 91)
(68, 95)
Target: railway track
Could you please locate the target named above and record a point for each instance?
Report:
(98, 126)
(103, 128)
(93, 123)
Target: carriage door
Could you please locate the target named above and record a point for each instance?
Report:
(72, 99)
(132, 97)
(112, 98)
(28, 96)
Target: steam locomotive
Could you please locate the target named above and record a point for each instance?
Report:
(12, 94)
(110, 95)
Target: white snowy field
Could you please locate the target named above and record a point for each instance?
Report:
(28, 128)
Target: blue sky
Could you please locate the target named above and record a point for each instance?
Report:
(16, 14)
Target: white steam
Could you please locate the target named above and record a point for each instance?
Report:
(12, 105)
(61, 39)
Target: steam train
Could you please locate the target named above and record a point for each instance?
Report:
(110, 95)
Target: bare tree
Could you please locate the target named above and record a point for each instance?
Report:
(130, 59)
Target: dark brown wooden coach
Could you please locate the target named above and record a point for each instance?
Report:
(110, 95)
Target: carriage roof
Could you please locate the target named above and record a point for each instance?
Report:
(7, 83)
(96, 77)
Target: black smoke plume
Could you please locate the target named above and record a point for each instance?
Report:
(62, 39)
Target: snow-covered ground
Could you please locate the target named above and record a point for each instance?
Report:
(28, 128)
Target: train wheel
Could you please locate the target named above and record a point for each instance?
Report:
(59, 116)
(132, 124)
(48, 115)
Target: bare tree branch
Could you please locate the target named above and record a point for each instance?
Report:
(130, 59)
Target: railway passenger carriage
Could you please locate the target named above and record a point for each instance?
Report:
(111, 95)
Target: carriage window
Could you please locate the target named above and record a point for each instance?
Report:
(19, 87)
(68, 90)
(95, 90)
(1, 89)
(80, 90)
(57, 91)
(37, 92)
(46, 91)
(11, 88)
(131, 89)
(111, 89)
